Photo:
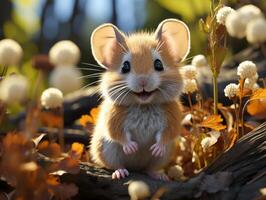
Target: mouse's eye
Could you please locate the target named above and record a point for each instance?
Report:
(158, 65)
(126, 67)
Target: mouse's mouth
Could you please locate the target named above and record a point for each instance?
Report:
(144, 95)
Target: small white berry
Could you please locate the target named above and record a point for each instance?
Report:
(14, 89)
(256, 31)
(138, 190)
(231, 90)
(246, 69)
(10, 52)
(189, 71)
(64, 52)
(52, 98)
(223, 13)
(66, 78)
(199, 61)
(190, 86)
(235, 25)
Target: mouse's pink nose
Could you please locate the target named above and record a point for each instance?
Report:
(142, 83)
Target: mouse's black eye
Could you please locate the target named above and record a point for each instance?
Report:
(158, 65)
(126, 67)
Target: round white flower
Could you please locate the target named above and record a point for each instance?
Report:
(247, 69)
(256, 31)
(199, 61)
(189, 71)
(67, 79)
(52, 98)
(223, 13)
(250, 82)
(14, 89)
(235, 25)
(231, 90)
(138, 190)
(64, 53)
(175, 172)
(249, 12)
(10, 52)
(190, 86)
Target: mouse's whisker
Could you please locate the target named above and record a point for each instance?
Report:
(125, 95)
(91, 64)
(117, 91)
(91, 69)
(90, 84)
(90, 75)
(122, 92)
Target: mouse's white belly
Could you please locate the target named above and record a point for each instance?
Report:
(144, 122)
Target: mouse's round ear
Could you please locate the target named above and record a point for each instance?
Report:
(107, 41)
(174, 36)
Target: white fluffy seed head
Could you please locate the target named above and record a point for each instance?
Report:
(189, 71)
(190, 86)
(231, 90)
(256, 31)
(223, 13)
(64, 52)
(52, 98)
(10, 52)
(138, 190)
(247, 69)
(66, 78)
(175, 172)
(235, 25)
(199, 61)
(250, 82)
(14, 89)
(249, 12)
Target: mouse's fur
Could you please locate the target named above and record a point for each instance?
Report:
(128, 121)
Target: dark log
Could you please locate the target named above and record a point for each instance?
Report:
(237, 174)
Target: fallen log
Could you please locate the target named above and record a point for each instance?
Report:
(237, 174)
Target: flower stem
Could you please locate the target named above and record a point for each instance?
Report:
(215, 94)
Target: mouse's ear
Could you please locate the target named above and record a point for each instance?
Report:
(174, 35)
(107, 42)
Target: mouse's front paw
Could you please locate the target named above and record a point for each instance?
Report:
(130, 147)
(157, 149)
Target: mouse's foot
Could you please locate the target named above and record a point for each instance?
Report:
(158, 175)
(120, 173)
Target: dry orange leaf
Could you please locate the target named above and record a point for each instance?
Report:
(257, 108)
(213, 122)
(49, 149)
(258, 94)
(51, 120)
(76, 150)
(92, 118)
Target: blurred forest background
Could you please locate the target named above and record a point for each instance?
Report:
(38, 24)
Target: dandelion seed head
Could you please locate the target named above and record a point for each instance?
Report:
(231, 90)
(64, 52)
(10, 52)
(247, 69)
(66, 78)
(190, 86)
(189, 71)
(199, 61)
(256, 31)
(235, 25)
(223, 13)
(52, 98)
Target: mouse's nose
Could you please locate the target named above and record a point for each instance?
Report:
(142, 82)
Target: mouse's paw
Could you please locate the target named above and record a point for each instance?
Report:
(158, 176)
(157, 149)
(120, 173)
(130, 147)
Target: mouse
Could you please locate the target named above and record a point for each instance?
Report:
(140, 115)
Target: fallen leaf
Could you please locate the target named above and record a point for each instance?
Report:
(76, 150)
(258, 94)
(213, 122)
(50, 149)
(257, 108)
